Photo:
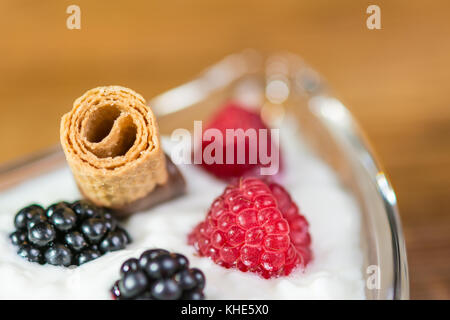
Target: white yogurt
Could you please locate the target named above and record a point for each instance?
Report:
(334, 217)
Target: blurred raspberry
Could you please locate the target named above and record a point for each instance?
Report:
(234, 116)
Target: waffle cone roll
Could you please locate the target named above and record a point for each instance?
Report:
(111, 142)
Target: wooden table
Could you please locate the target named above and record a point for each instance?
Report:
(395, 80)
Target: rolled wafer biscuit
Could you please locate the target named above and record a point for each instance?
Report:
(111, 142)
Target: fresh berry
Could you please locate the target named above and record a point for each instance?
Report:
(66, 234)
(31, 253)
(159, 275)
(234, 116)
(254, 226)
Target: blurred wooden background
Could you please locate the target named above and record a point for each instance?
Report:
(396, 80)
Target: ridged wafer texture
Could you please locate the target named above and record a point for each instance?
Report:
(111, 142)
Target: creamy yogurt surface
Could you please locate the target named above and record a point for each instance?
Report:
(334, 273)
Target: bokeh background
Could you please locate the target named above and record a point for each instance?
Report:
(396, 80)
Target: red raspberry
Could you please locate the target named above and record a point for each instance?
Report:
(233, 116)
(254, 226)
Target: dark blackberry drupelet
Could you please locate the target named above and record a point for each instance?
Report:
(75, 240)
(41, 233)
(27, 214)
(113, 241)
(64, 219)
(94, 229)
(66, 234)
(31, 253)
(58, 255)
(19, 237)
(159, 275)
(84, 209)
(87, 255)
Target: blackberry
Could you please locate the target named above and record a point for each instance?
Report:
(66, 234)
(159, 275)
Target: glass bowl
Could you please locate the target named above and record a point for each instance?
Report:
(284, 86)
